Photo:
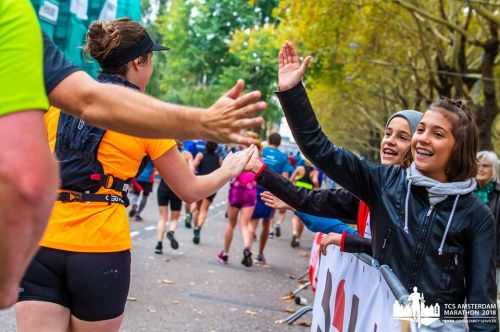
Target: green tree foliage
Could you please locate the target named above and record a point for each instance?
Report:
(149, 19)
(371, 57)
(204, 58)
(255, 51)
(375, 57)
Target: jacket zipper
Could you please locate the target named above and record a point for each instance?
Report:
(384, 245)
(389, 231)
(421, 240)
(430, 211)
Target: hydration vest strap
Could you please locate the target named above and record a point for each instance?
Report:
(110, 182)
(71, 196)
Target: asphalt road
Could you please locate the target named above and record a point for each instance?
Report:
(188, 290)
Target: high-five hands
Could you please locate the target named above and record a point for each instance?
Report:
(235, 163)
(224, 120)
(290, 70)
(254, 164)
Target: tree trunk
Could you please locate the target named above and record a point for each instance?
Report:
(487, 113)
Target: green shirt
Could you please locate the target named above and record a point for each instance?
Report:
(21, 59)
(483, 193)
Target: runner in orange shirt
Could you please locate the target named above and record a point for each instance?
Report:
(80, 277)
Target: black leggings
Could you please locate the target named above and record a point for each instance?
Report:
(93, 286)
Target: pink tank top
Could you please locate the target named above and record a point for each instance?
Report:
(245, 179)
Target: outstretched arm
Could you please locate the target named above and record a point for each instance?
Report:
(191, 188)
(357, 176)
(134, 113)
(347, 242)
(354, 243)
(339, 204)
(274, 202)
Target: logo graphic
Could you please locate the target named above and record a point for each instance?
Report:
(415, 310)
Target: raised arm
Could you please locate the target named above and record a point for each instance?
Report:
(360, 177)
(134, 113)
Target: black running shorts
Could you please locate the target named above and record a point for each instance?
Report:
(93, 286)
(167, 197)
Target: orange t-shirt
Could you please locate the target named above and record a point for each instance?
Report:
(97, 226)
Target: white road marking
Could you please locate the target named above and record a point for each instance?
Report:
(150, 228)
(134, 234)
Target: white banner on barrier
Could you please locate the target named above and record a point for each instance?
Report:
(314, 260)
(351, 296)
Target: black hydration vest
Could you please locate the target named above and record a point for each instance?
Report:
(77, 144)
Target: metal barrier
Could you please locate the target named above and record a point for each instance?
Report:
(301, 311)
(365, 258)
(396, 287)
(297, 314)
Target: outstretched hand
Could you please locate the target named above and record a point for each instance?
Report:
(254, 164)
(235, 163)
(291, 70)
(274, 202)
(225, 119)
(331, 238)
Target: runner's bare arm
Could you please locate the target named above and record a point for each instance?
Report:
(29, 180)
(135, 113)
(191, 188)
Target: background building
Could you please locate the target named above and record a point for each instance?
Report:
(66, 22)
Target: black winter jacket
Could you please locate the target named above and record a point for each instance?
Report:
(332, 203)
(465, 272)
(338, 203)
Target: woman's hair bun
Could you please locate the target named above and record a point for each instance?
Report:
(102, 38)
